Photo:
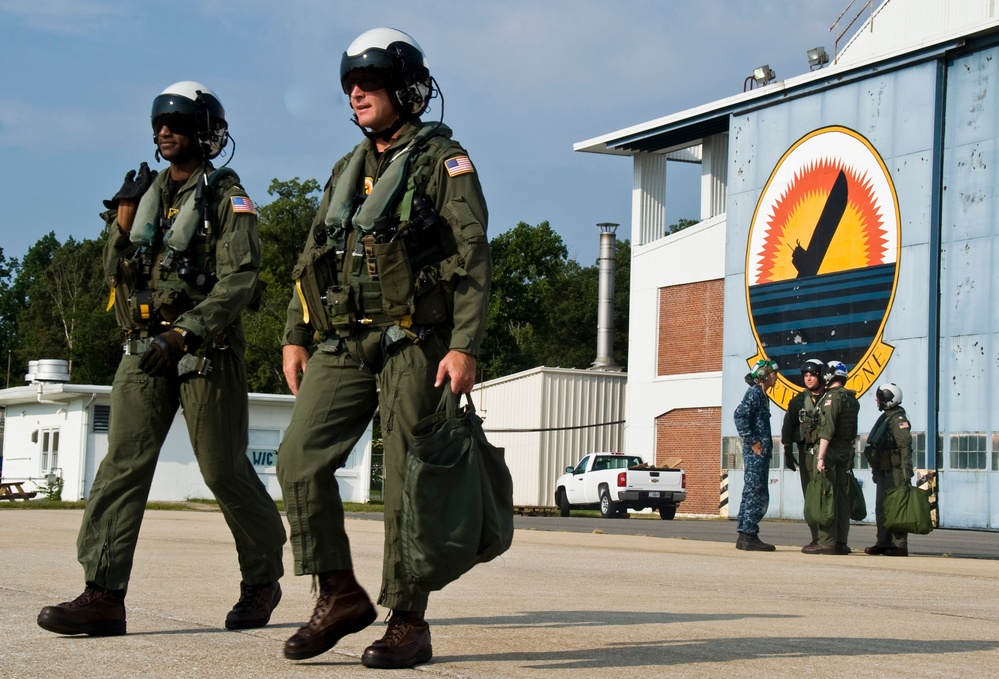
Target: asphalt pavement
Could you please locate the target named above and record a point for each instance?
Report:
(574, 597)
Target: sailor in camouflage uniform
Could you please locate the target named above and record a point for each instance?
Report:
(752, 420)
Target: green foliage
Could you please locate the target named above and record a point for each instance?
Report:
(58, 298)
(680, 225)
(284, 225)
(543, 309)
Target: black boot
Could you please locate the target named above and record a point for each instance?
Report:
(255, 605)
(753, 543)
(343, 608)
(406, 643)
(97, 612)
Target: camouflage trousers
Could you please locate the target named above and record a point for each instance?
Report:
(755, 491)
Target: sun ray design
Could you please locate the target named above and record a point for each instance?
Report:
(859, 241)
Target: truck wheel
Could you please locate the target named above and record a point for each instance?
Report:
(608, 508)
(667, 512)
(563, 503)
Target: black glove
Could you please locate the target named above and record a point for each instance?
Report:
(165, 351)
(133, 187)
(789, 459)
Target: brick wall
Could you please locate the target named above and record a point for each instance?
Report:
(693, 434)
(690, 328)
(690, 341)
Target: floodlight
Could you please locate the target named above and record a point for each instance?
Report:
(763, 75)
(817, 57)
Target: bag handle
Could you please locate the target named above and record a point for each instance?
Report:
(450, 402)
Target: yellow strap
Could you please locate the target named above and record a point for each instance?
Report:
(301, 296)
(110, 300)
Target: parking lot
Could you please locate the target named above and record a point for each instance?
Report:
(581, 600)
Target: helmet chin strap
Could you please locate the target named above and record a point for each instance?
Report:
(383, 135)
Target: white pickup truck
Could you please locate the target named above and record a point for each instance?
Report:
(615, 483)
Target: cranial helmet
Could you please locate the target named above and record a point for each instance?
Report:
(192, 109)
(762, 368)
(835, 370)
(400, 61)
(888, 396)
(813, 366)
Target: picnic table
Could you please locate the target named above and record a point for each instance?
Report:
(14, 490)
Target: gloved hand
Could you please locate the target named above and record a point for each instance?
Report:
(165, 351)
(133, 187)
(789, 459)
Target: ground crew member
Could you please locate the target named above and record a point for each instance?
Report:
(889, 453)
(837, 433)
(801, 423)
(393, 284)
(752, 420)
(181, 258)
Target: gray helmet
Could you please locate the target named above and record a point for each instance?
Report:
(399, 60)
(192, 109)
(888, 396)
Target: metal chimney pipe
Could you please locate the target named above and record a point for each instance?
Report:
(605, 303)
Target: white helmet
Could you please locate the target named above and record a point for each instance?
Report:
(888, 396)
(835, 370)
(399, 61)
(194, 110)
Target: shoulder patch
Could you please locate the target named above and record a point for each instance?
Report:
(458, 165)
(903, 424)
(243, 204)
(828, 402)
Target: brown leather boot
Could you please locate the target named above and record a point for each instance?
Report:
(97, 612)
(255, 605)
(343, 608)
(406, 643)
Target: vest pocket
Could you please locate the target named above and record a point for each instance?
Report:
(396, 279)
(314, 275)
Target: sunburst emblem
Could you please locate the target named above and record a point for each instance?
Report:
(822, 260)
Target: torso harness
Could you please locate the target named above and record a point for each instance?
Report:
(395, 280)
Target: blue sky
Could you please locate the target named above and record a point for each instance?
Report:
(522, 82)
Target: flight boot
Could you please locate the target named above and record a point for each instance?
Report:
(343, 608)
(98, 612)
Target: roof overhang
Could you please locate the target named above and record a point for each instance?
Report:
(690, 127)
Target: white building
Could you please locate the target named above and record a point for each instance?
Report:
(54, 428)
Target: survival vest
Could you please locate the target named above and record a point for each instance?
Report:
(396, 274)
(171, 264)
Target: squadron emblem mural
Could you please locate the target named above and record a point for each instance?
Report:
(822, 260)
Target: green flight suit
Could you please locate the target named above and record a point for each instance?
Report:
(891, 466)
(360, 368)
(214, 405)
(838, 410)
(798, 428)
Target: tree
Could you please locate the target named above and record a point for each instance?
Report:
(64, 312)
(284, 225)
(543, 309)
(680, 225)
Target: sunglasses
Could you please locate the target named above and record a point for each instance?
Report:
(367, 79)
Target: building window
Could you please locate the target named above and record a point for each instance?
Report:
(49, 441)
(995, 451)
(968, 451)
(102, 419)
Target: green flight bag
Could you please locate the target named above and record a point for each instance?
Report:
(820, 507)
(858, 505)
(907, 510)
(457, 498)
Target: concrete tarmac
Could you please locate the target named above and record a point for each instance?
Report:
(558, 604)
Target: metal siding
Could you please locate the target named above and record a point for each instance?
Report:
(968, 283)
(550, 398)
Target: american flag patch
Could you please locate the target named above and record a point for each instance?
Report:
(243, 204)
(903, 425)
(459, 165)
